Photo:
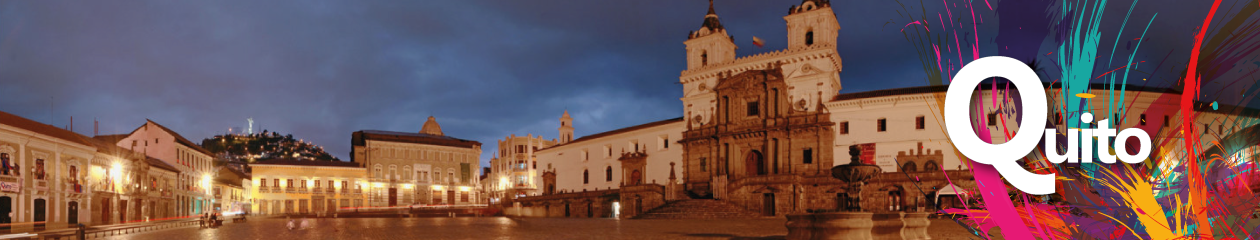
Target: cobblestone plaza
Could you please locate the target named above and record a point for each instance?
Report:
(503, 228)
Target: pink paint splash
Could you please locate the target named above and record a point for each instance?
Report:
(903, 29)
(993, 192)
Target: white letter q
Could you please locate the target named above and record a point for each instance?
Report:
(1001, 156)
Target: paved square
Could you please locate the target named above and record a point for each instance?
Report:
(503, 228)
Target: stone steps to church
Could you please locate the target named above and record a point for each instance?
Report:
(697, 209)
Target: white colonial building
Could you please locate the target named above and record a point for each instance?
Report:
(641, 154)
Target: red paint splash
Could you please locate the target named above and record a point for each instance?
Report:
(1189, 92)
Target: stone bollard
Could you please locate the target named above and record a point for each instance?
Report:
(887, 226)
(800, 226)
(842, 225)
(916, 226)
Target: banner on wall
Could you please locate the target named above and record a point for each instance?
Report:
(868, 153)
(11, 186)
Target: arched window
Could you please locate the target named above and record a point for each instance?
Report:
(809, 38)
(909, 167)
(608, 174)
(586, 176)
(931, 166)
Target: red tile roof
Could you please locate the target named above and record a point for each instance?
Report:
(295, 162)
(359, 138)
(45, 129)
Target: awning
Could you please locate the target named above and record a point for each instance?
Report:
(951, 189)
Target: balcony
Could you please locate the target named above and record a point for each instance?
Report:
(73, 187)
(264, 189)
(317, 190)
(330, 190)
(290, 190)
(302, 190)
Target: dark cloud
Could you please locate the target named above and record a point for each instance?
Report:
(486, 69)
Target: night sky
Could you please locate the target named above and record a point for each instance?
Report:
(486, 69)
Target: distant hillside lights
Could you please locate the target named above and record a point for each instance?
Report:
(1003, 156)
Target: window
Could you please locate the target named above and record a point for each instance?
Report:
(262, 182)
(909, 167)
(1058, 118)
(992, 119)
(881, 125)
(1142, 119)
(808, 156)
(753, 108)
(844, 127)
(1166, 121)
(316, 183)
(1116, 120)
(920, 122)
(664, 141)
(1220, 129)
(289, 183)
(607, 151)
(275, 182)
(704, 58)
(1206, 127)
(586, 155)
(586, 176)
(520, 148)
(39, 169)
(809, 38)
(608, 174)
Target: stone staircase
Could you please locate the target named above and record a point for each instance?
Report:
(698, 209)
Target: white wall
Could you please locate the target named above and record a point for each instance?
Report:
(566, 160)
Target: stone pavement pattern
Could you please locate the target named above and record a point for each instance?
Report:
(503, 228)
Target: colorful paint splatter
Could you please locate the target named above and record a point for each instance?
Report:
(1199, 182)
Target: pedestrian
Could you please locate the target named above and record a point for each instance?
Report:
(291, 223)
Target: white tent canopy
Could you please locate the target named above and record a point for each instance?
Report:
(951, 189)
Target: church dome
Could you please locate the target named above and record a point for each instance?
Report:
(431, 127)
